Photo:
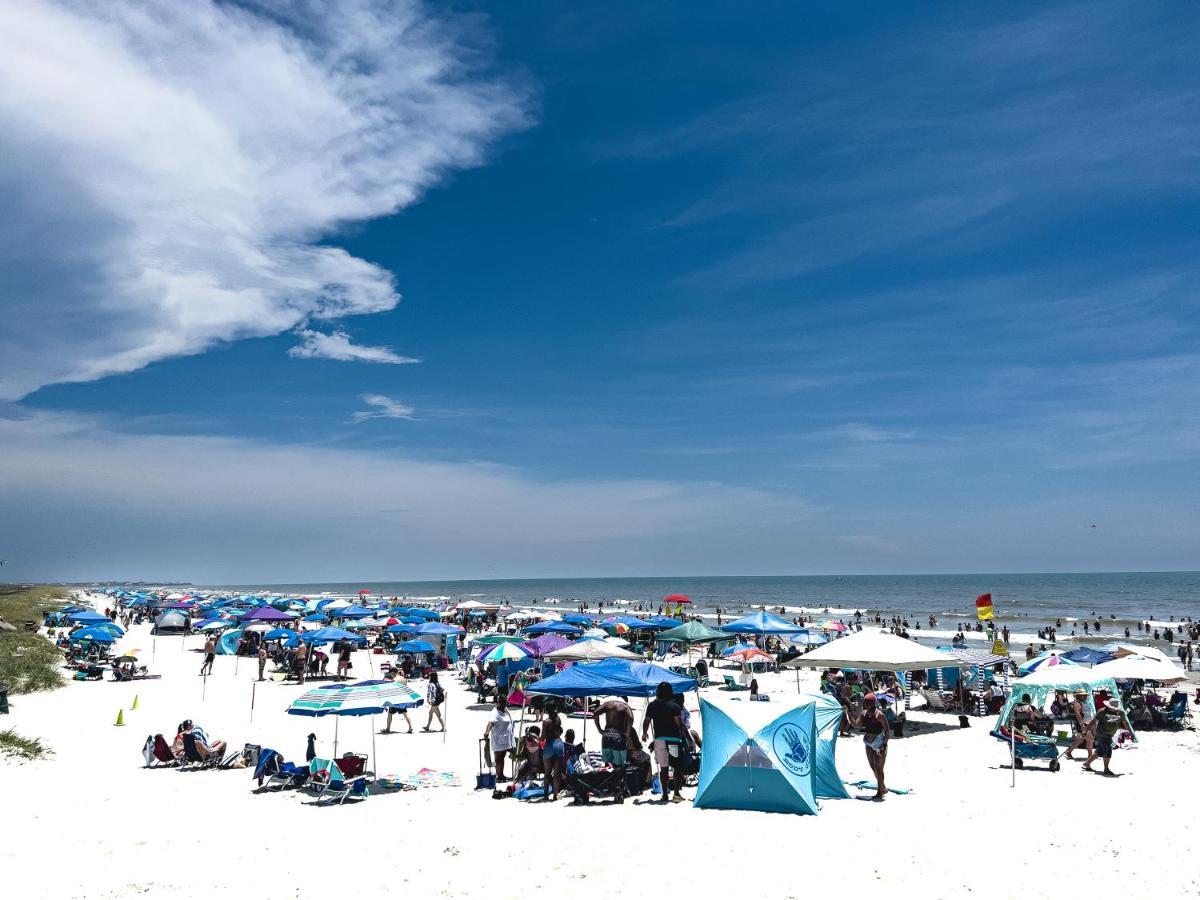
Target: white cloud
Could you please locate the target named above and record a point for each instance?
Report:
(171, 169)
(382, 408)
(241, 510)
(319, 345)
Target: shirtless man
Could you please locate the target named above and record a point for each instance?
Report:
(210, 654)
(615, 731)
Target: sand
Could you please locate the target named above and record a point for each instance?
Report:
(91, 822)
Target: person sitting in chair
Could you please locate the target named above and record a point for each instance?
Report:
(207, 748)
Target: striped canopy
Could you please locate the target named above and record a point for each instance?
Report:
(363, 698)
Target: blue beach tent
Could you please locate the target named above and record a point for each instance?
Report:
(759, 756)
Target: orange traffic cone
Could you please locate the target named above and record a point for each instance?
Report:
(120, 717)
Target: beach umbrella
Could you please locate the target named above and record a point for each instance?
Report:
(543, 644)
(833, 625)
(260, 627)
(279, 634)
(737, 648)
(1119, 649)
(213, 625)
(1049, 658)
(402, 629)
(578, 619)
(415, 647)
(595, 632)
(806, 639)
(549, 616)
(676, 599)
(333, 605)
(95, 634)
(363, 698)
(661, 623)
(501, 652)
(589, 650)
(428, 614)
(364, 592)
(316, 617)
(1141, 668)
(749, 654)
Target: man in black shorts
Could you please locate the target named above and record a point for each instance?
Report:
(210, 654)
(1107, 723)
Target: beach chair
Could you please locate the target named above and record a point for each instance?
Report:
(193, 759)
(330, 785)
(938, 701)
(1177, 714)
(731, 685)
(277, 773)
(157, 753)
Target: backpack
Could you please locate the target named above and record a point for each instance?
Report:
(439, 696)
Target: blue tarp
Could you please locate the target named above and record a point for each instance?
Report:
(611, 678)
(759, 756)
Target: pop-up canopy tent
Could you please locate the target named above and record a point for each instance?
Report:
(611, 678)
(758, 756)
(1045, 681)
(692, 633)
(760, 623)
(878, 652)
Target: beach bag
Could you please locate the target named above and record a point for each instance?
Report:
(250, 755)
(485, 781)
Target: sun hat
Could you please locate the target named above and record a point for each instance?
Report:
(1112, 704)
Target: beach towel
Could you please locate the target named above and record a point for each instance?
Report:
(531, 791)
(428, 778)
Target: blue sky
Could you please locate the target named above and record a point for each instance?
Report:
(881, 289)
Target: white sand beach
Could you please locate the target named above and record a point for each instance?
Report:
(91, 822)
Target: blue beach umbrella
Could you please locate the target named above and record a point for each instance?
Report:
(96, 635)
(329, 635)
(279, 634)
(436, 628)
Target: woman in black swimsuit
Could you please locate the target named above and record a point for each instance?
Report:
(875, 738)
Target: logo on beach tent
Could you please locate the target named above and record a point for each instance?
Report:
(791, 745)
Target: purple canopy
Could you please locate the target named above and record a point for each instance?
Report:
(267, 614)
(546, 643)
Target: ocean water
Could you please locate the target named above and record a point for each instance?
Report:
(1034, 599)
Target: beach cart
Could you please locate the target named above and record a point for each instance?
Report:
(1028, 746)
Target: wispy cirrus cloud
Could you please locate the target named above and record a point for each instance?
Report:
(980, 122)
(337, 345)
(171, 169)
(382, 407)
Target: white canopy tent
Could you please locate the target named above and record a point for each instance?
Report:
(876, 651)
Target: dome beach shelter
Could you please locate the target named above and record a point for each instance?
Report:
(758, 756)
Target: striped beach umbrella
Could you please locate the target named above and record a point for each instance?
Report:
(502, 652)
(362, 698)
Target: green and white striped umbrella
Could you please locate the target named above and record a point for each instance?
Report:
(502, 652)
(363, 698)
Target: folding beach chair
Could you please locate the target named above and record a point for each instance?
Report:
(157, 753)
(731, 685)
(194, 759)
(331, 786)
(277, 773)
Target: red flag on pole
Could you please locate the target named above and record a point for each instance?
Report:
(983, 606)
